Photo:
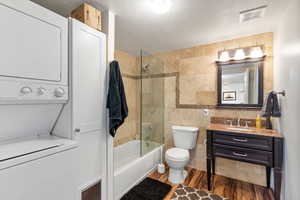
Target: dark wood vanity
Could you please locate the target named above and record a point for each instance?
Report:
(257, 146)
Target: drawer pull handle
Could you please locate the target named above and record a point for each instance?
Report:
(240, 154)
(240, 140)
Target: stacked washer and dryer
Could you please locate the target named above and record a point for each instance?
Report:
(33, 81)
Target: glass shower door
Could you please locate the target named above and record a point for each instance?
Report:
(152, 103)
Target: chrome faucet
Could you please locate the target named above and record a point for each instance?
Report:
(230, 121)
(247, 124)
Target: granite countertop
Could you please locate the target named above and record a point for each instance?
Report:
(254, 131)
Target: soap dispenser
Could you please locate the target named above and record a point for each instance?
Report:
(258, 121)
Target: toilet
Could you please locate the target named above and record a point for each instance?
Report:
(185, 139)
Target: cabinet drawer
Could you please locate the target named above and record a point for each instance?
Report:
(244, 154)
(243, 140)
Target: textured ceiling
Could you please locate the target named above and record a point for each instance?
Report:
(188, 23)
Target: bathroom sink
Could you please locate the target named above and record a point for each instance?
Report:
(238, 129)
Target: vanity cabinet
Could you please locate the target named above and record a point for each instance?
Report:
(258, 146)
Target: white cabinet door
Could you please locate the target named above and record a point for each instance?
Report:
(89, 78)
(33, 42)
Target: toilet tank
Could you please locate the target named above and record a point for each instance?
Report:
(185, 137)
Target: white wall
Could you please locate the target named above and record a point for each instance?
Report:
(109, 29)
(287, 76)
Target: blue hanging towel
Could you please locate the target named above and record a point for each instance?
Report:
(271, 106)
(116, 99)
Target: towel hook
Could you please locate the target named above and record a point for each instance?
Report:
(283, 93)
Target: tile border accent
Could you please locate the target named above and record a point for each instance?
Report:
(177, 92)
(146, 76)
(160, 75)
(187, 106)
(126, 75)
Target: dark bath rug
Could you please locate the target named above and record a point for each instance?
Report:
(187, 193)
(148, 189)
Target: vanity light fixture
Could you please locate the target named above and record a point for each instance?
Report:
(160, 6)
(239, 54)
(224, 56)
(256, 52)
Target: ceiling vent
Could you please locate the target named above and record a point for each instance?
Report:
(255, 13)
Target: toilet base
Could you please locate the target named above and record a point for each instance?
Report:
(177, 176)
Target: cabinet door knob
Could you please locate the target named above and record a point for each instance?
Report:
(77, 130)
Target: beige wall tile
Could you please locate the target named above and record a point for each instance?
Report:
(196, 63)
(128, 63)
(170, 92)
(130, 129)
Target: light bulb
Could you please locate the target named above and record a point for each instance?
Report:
(239, 54)
(224, 56)
(160, 6)
(256, 52)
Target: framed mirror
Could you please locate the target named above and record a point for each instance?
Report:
(240, 83)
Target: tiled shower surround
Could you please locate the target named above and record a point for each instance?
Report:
(130, 70)
(190, 85)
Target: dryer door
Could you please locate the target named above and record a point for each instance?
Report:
(33, 43)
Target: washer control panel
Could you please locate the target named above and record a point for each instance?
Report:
(31, 92)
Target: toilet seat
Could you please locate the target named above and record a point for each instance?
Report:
(177, 154)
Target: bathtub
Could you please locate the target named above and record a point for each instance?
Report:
(130, 168)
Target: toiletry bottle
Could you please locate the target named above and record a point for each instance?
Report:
(258, 121)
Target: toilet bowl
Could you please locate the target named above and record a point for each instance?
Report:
(178, 157)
